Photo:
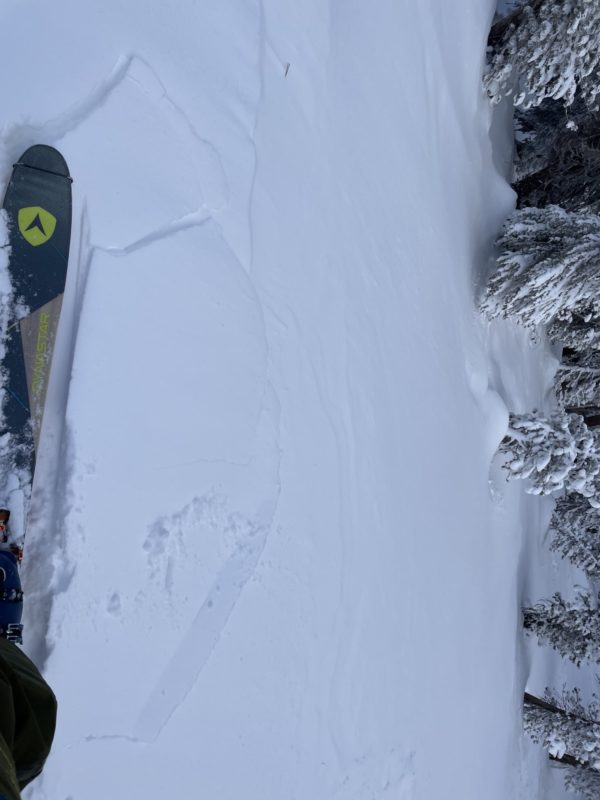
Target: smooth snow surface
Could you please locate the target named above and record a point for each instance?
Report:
(274, 565)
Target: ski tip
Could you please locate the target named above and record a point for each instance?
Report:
(46, 158)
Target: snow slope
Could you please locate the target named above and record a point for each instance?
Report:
(266, 559)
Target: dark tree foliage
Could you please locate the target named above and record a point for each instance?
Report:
(538, 134)
(579, 331)
(575, 532)
(577, 381)
(570, 627)
(559, 164)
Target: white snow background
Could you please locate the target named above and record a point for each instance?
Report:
(267, 557)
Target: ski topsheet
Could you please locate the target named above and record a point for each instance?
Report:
(38, 205)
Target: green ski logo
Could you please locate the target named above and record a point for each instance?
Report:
(36, 224)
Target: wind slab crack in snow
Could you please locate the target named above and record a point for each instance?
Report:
(211, 150)
(123, 737)
(269, 386)
(217, 461)
(17, 135)
(261, 86)
(195, 218)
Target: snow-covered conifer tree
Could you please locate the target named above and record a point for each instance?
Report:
(548, 268)
(572, 628)
(547, 48)
(575, 530)
(577, 380)
(564, 726)
(552, 453)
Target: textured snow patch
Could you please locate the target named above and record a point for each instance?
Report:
(389, 776)
(204, 532)
(218, 553)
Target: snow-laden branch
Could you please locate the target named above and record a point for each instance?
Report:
(548, 48)
(553, 453)
(548, 270)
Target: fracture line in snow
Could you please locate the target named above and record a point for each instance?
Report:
(228, 462)
(261, 68)
(122, 737)
(196, 218)
(210, 152)
(19, 135)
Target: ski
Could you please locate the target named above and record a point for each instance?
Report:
(38, 207)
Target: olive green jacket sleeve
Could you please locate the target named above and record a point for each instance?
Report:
(27, 721)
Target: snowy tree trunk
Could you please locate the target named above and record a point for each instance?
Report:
(573, 629)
